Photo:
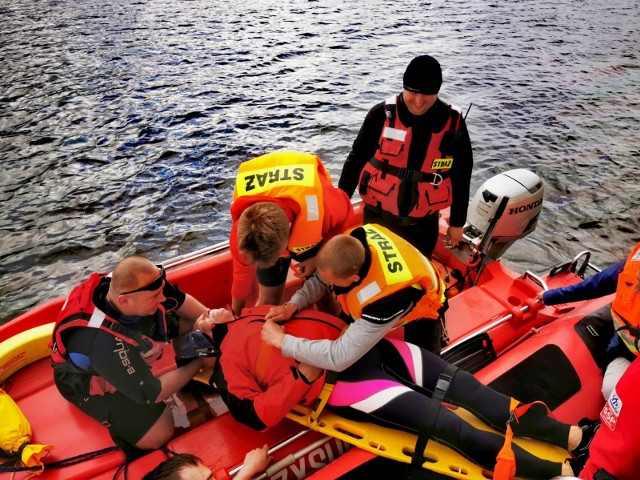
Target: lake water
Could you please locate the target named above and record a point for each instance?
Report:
(122, 124)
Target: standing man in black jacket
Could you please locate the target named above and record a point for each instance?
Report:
(411, 159)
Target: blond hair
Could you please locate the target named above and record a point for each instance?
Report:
(126, 274)
(342, 255)
(263, 232)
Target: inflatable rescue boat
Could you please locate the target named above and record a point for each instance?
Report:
(496, 328)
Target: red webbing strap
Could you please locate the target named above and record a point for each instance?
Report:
(457, 127)
(131, 337)
(221, 474)
(262, 362)
(264, 354)
(506, 459)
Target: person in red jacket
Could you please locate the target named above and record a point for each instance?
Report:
(623, 279)
(256, 382)
(284, 207)
(615, 451)
(392, 383)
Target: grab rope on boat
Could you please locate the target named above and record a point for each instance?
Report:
(66, 462)
(84, 457)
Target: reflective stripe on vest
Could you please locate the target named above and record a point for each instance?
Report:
(97, 317)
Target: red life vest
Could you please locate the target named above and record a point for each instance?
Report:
(395, 265)
(614, 449)
(79, 311)
(291, 175)
(625, 308)
(386, 175)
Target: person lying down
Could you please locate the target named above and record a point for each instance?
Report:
(391, 384)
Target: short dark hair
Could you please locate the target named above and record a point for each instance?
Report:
(263, 231)
(343, 255)
(171, 468)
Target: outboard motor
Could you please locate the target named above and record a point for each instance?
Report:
(504, 209)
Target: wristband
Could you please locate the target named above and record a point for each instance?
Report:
(297, 374)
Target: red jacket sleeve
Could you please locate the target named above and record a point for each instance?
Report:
(338, 211)
(244, 276)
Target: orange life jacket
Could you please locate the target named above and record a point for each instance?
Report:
(395, 265)
(386, 175)
(626, 304)
(292, 175)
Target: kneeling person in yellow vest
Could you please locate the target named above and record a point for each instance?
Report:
(372, 266)
(381, 282)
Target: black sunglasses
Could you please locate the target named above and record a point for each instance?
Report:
(155, 285)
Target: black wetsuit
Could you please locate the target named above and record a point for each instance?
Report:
(393, 382)
(100, 358)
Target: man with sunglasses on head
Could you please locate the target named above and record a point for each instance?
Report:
(109, 334)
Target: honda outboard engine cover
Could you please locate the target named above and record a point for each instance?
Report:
(505, 208)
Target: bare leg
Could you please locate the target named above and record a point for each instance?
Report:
(567, 471)
(575, 436)
(159, 433)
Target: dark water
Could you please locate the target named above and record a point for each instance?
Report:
(122, 125)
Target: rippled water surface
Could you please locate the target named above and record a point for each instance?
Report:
(122, 124)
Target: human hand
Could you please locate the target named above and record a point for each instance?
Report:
(281, 312)
(453, 236)
(304, 269)
(255, 461)
(273, 334)
(310, 372)
(539, 297)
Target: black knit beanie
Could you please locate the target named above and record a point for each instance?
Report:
(423, 75)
